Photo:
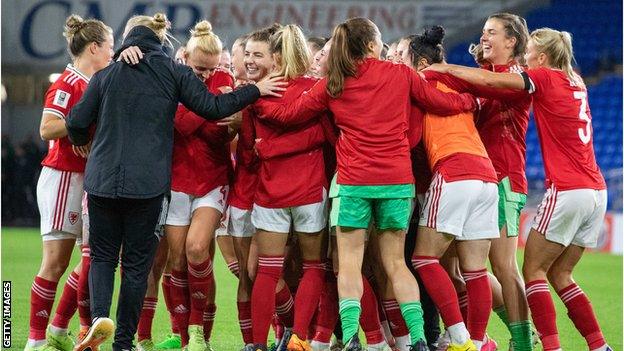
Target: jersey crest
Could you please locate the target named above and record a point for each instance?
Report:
(73, 217)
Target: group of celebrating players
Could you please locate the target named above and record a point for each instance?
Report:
(404, 145)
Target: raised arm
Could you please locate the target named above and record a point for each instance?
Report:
(84, 113)
(435, 101)
(481, 77)
(194, 95)
(291, 143)
(306, 107)
(481, 91)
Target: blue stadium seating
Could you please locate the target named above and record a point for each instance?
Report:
(596, 28)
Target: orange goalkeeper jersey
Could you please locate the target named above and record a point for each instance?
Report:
(444, 136)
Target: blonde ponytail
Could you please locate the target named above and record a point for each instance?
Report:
(158, 24)
(290, 43)
(557, 46)
(204, 39)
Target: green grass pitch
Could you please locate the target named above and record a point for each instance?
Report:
(600, 275)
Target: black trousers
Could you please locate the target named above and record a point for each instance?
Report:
(430, 312)
(134, 225)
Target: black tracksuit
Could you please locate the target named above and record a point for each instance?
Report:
(128, 171)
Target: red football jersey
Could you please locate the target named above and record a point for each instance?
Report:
(61, 96)
(373, 147)
(296, 179)
(201, 149)
(563, 121)
(243, 188)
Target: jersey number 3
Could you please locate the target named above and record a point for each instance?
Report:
(584, 134)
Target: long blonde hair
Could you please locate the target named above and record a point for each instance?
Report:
(158, 23)
(557, 46)
(204, 39)
(290, 43)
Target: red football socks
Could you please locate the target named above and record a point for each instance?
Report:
(68, 304)
(144, 329)
(440, 288)
(200, 279)
(582, 315)
(308, 294)
(543, 313)
(479, 302)
(42, 295)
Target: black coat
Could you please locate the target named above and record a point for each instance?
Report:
(133, 108)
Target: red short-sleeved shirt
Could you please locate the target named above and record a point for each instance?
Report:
(563, 121)
(61, 96)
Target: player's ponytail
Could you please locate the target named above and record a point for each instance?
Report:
(264, 34)
(80, 33)
(557, 46)
(158, 24)
(204, 39)
(293, 57)
(428, 46)
(515, 27)
(350, 45)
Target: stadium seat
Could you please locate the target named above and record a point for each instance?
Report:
(595, 40)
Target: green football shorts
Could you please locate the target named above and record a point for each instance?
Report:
(509, 206)
(390, 206)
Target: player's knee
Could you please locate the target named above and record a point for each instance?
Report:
(504, 270)
(393, 265)
(192, 250)
(559, 279)
(52, 271)
(531, 272)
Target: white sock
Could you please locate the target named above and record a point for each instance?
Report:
(478, 344)
(57, 330)
(403, 342)
(459, 334)
(36, 343)
(319, 346)
(376, 347)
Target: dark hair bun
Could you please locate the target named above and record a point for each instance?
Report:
(274, 28)
(434, 35)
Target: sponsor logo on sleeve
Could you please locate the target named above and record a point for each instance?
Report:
(61, 98)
